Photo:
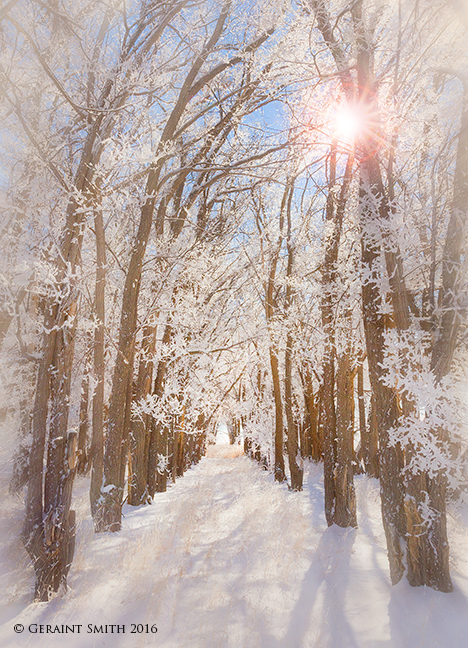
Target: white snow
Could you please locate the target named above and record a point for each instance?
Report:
(227, 558)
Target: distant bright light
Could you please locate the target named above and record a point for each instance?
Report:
(348, 123)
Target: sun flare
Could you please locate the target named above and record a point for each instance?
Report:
(348, 123)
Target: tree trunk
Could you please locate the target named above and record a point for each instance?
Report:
(162, 447)
(362, 453)
(158, 444)
(247, 443)
(295, 460)
(312, 446)
(112, 490)
(334, 216)
(180, 448)
(374, 205)
(278, 439)
(371, 194)
(46, 531)
(428, 549)
(369, 447)
(385, 399)
(345, 506)
(97, 443)
(372, 442)
(139, 424)
(83, 428)
(172, 452)
(328, 421)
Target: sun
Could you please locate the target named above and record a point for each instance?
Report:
(348, 123)
(358, 127)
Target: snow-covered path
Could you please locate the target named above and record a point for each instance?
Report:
(229, 559)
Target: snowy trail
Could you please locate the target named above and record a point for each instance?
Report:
(227, 558)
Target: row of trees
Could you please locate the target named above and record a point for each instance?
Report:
(244, 212)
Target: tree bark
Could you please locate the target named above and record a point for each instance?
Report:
(345, 506)
(385, 399)
(334, 219)
(312, 446)
(159, 436)
(295, 460)
(83, 428)
(280, 475)
(373, 205)
(49, 495)
(369, 447)
(97, 443)
(139, 424)
(296, 470)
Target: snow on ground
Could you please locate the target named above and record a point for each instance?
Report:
(227, 558)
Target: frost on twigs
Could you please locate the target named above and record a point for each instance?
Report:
(162, 464)
(431, 430)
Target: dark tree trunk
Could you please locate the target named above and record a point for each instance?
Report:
(374, 205)
(312, 446)
(345, 507)
(328, 421)
(369, 447)
(270, 313)
(97, 443)
(6, 317)
(46, 532)
(200, 439)
(385, 399)
(427, 542)
(247, 443)
(372, 443)
(159, 437)
(180, 442)
(112, 491)
(362, 452)
(125, 451)
(279, 426)
(172, 452)
(294, 458)
(335, 209)
(83, 428)
(162, 448)
(328, 304)
(139, 425)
